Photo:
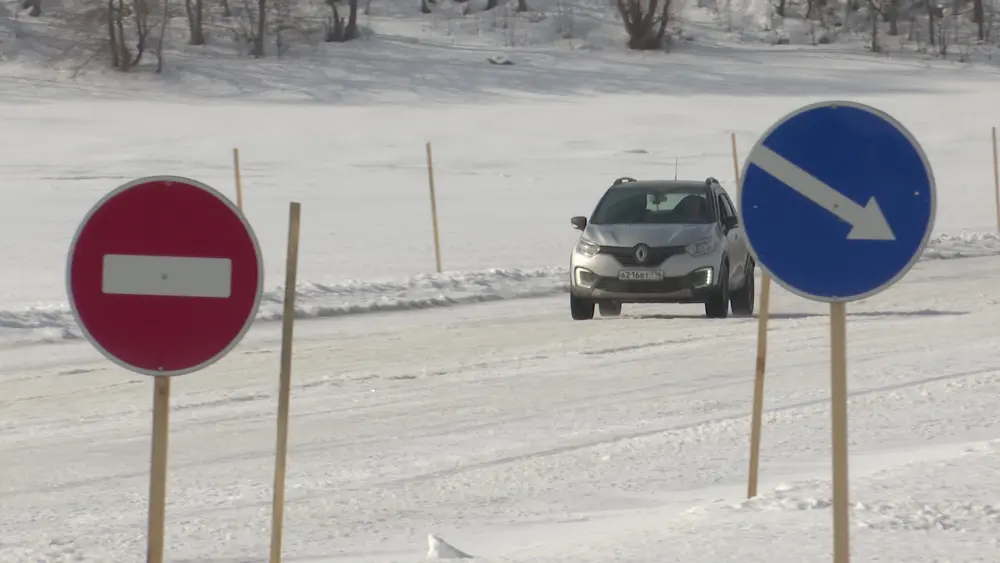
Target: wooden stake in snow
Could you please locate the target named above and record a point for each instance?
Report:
(285, 380)
(838, 397)
(434, 216)
(758, 387)
(996, 177)
(158, 471)
(237, 177)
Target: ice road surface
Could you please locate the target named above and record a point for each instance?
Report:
(467, 404)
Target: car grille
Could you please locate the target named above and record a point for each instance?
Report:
(657, 254)
(630, 286)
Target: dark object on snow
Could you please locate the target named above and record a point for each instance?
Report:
(499, 60)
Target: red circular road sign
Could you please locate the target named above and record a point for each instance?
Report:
(164, 276)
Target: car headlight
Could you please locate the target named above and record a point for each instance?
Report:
(587, 248)
(701, 247)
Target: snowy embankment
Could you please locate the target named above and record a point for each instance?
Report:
(53, 323)
(898, 511)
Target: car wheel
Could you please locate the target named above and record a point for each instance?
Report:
(717, 306)
(581, 309)
(609, 308)
(743, 299)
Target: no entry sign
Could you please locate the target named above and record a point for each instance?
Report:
(164, 276)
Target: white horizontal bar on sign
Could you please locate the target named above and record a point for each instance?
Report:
(170, 276)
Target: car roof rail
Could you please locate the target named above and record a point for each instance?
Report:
(711, 180)
(624, 179)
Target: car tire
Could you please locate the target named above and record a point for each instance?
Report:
(743, 298)
(609, 308)
(717, 306)
(581, 309)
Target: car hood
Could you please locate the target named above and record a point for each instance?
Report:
(653, 235)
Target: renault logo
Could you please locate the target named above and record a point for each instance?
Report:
(641, 253)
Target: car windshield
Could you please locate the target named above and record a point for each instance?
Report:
(653, 205)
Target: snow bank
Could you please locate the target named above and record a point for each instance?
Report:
(49, 323)
(437, 548)
(965, 245)
(876, 502)
(53, 322)
(315, 300)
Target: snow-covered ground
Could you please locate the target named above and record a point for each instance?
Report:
(467, 404)
(508, 177)
(519, 435)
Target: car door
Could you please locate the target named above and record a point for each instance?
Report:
(734, 239)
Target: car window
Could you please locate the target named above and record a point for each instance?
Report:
(725, 208)
(729, 204)
(655, 205)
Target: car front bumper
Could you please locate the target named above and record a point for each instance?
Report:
(696, 287)
(685, 279)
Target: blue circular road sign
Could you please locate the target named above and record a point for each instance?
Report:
(837, 201)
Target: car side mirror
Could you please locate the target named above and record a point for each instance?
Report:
(579, 223)
(730, 222)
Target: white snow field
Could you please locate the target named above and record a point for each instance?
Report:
(466, 407)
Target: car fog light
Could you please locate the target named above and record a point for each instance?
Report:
(703, 277)
(585, 277)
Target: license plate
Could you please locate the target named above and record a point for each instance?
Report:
(640, 275)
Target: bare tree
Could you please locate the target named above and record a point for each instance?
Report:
(991, 17)
(258, 40)
(119, 15)
(351, 32)
(979, 16)
(195, 10)
(645, 22)
(874, 11)
(814, 8)
(281, 22)
(244, 27)
(889, 11)
(335, 24)
(34, 7)
(336, 30)
(850, 7)
(163, 35)
(942, 33)
(933, 13)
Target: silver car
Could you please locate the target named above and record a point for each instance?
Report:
(661, 242)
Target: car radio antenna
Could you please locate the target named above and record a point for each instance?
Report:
(676, 164)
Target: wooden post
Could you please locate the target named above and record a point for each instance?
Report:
(284, 392)
(434, 217)
(996, 177)
(764, 307)
(239, 182)
(757, 419)
(158, 470)
(838, 396)
(736, 164)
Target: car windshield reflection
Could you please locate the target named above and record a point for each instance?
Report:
(654, 205)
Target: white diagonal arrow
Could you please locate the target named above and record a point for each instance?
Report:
(868, 222)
